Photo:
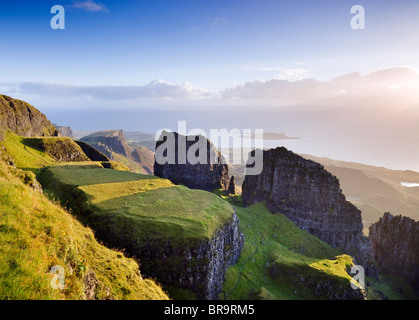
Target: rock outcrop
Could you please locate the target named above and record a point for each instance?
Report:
(209, 174)
(232, 186)
(23, 119)
(395, 245)
(311, 197)
(200, 267)
(64, 131)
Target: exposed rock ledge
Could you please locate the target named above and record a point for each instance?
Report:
(200, 267)
(311, 197)
(395, 244)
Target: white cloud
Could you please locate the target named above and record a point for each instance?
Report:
(89, 5)
(155, 90)
(291, 87)
(384, 87)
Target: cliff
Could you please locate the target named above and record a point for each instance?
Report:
(23, 119)
(311, 197)
(64, 131)
(184, 238)
(210, 174)
(200, 267)
(395, 245)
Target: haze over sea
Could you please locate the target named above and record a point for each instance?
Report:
(393, 150)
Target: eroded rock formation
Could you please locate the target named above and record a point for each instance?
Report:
(200, 267)
(23, 119)
(210, 174)
(395, 245)
(310, 197)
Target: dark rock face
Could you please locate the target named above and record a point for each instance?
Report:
(199, 265)
(210, 175)
(91, 152)
(202, 267)
(395, 245)
(232, 186)
(310, 197)
(23, 119)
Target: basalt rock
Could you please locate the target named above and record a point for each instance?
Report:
(23, 119)
(232, 186)
(200, 267)
(209, 174)
(395, 245)
(64, 131)
(311, 197)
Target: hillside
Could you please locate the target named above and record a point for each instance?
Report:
(115, 146)
(137, 139)
(281, 261)
(375, 190)
(23, 119)
(37, 234)
(169, 228)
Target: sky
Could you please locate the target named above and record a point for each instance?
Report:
(293, 66)
(210, 44)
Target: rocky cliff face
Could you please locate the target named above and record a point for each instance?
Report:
(200, 267)
(395, 245)
(23, 119)
(310, 197)
(65, 131)
(210, 174)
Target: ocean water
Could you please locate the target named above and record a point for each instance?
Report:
(391, 145)
(391, 152)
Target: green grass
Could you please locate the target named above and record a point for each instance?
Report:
(281, 261)
(58, 148)
(128, 203)
(277, 255)
(33, 154)
(36, 234)
(390, 287)
(25, 157)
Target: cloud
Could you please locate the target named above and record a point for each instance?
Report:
(155, 90)
(89, 5)
(391, 83)
(384, 88)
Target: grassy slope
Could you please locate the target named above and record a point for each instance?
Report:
(33, 154)
(146, 205)
(281, 261)
(36, 234)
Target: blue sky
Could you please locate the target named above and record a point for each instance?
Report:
(210, 43)
(293, 66)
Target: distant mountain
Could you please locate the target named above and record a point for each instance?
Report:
(375, 190)
(115, 146)
(64, 131)
(136, 138)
